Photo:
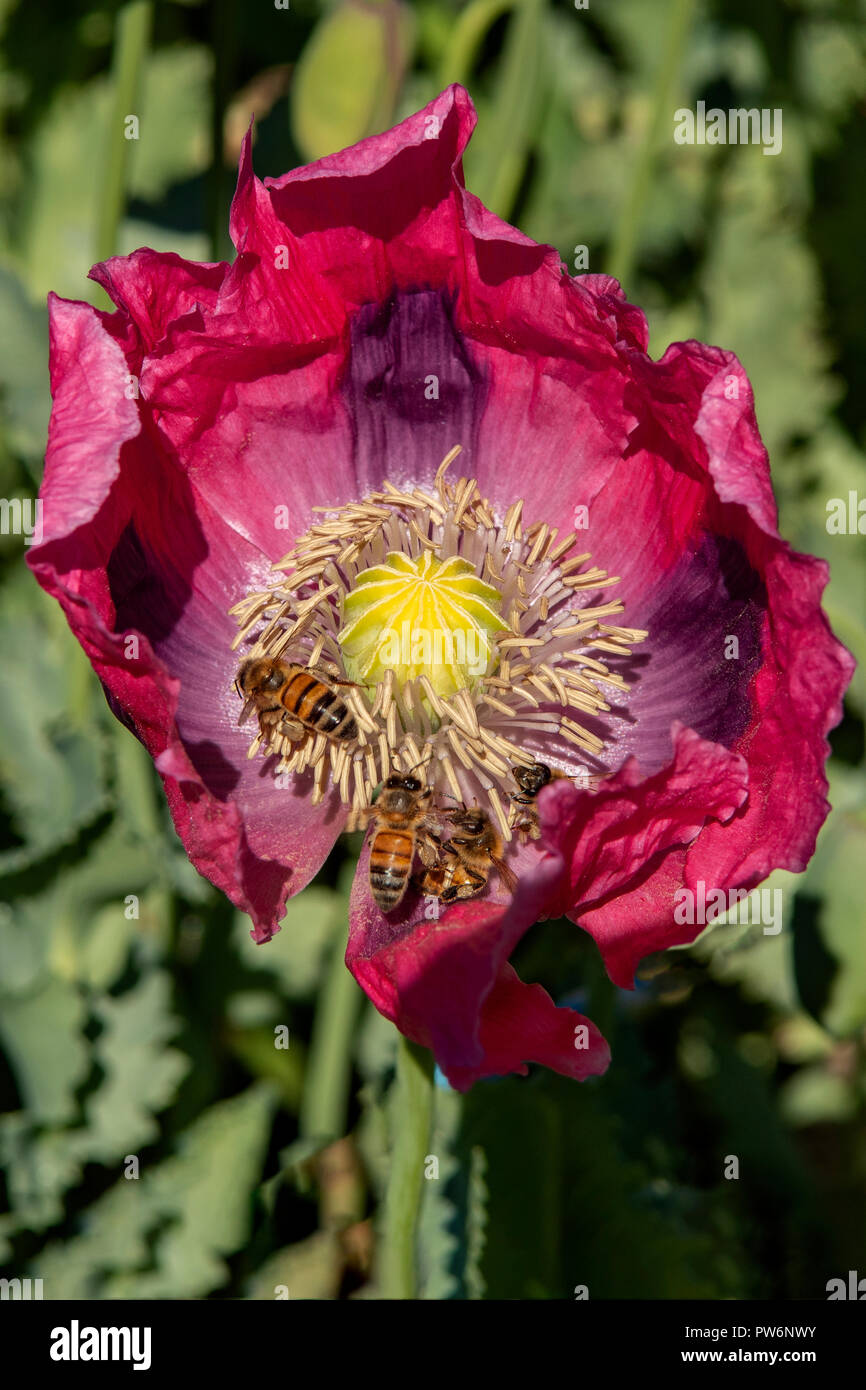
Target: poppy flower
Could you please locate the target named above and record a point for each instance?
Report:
(396, 445)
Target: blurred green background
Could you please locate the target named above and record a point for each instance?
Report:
(154, 1141)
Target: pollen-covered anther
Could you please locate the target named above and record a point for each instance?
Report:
(446, 638)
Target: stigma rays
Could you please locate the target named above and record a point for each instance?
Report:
(550, 673)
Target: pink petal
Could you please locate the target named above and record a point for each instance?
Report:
(447, 984)
(125, 538)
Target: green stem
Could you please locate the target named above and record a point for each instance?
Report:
(218, 190)
(467, 37)
(136, 785)
(411, 1112)
(138, 793)
(517, 107)
(622, 255)
(130, 47)
(328, 1074)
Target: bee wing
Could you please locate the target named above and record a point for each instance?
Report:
(508, 876)
(249, 706)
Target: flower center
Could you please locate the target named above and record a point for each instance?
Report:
(420, 617)
(433, 634)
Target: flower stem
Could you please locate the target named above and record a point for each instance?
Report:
(467, 37)
(131, 41)
(412, 1111)
(138, 794)
(328, 1075)
(224, 14)
(621, 258)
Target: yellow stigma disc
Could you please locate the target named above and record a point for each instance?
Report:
(420, 617)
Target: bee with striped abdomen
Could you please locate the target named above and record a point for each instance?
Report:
(294, 700)
(402, 824)
(467, 858)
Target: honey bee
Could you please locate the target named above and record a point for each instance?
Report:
(530, 780)
(467, 858)
(296, 699)
(402, 824)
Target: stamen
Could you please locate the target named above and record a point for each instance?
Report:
(500, 815)
(448, 768)
(540, 680)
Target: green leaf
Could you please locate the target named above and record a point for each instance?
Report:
(283, 1067)
(763, 292)
(113, 1235)
(38, 1168)
(497, 157)
(41, 1035)
(813, 1096)
(376, 1048)
(830, 467)
(141, 1074)
(298, 953)
(76, 929)
(58, 245)
(167, 1233)
(831, 66)
(174, 140)
(53, 774)
(523, 1191)
(438, 1239)
(25, 402)
(476, 1224)
(739, 952)
(349, 75)
(834, 883)
(204, 1193)
(309, 1269)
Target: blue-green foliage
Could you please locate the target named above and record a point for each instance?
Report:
(154, 1141)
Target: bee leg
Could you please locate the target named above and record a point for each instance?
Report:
(465, 890)
(479, 879)
(429, 846)
(268, 721)
(292, 729)
(527, 827)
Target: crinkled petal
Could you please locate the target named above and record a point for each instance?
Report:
(614, 841)
(131, 552)
(446, 983)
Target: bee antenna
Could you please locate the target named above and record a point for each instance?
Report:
(412, 769)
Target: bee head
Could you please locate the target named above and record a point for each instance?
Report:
(472, 822)
(532, 779)
(400, 791)
(261, 676)
(401, 782)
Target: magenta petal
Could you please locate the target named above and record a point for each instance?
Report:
(520, 1023)
(90, 421)
(615, 843)
(156, 289)
(125, 560)
(447, 984)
